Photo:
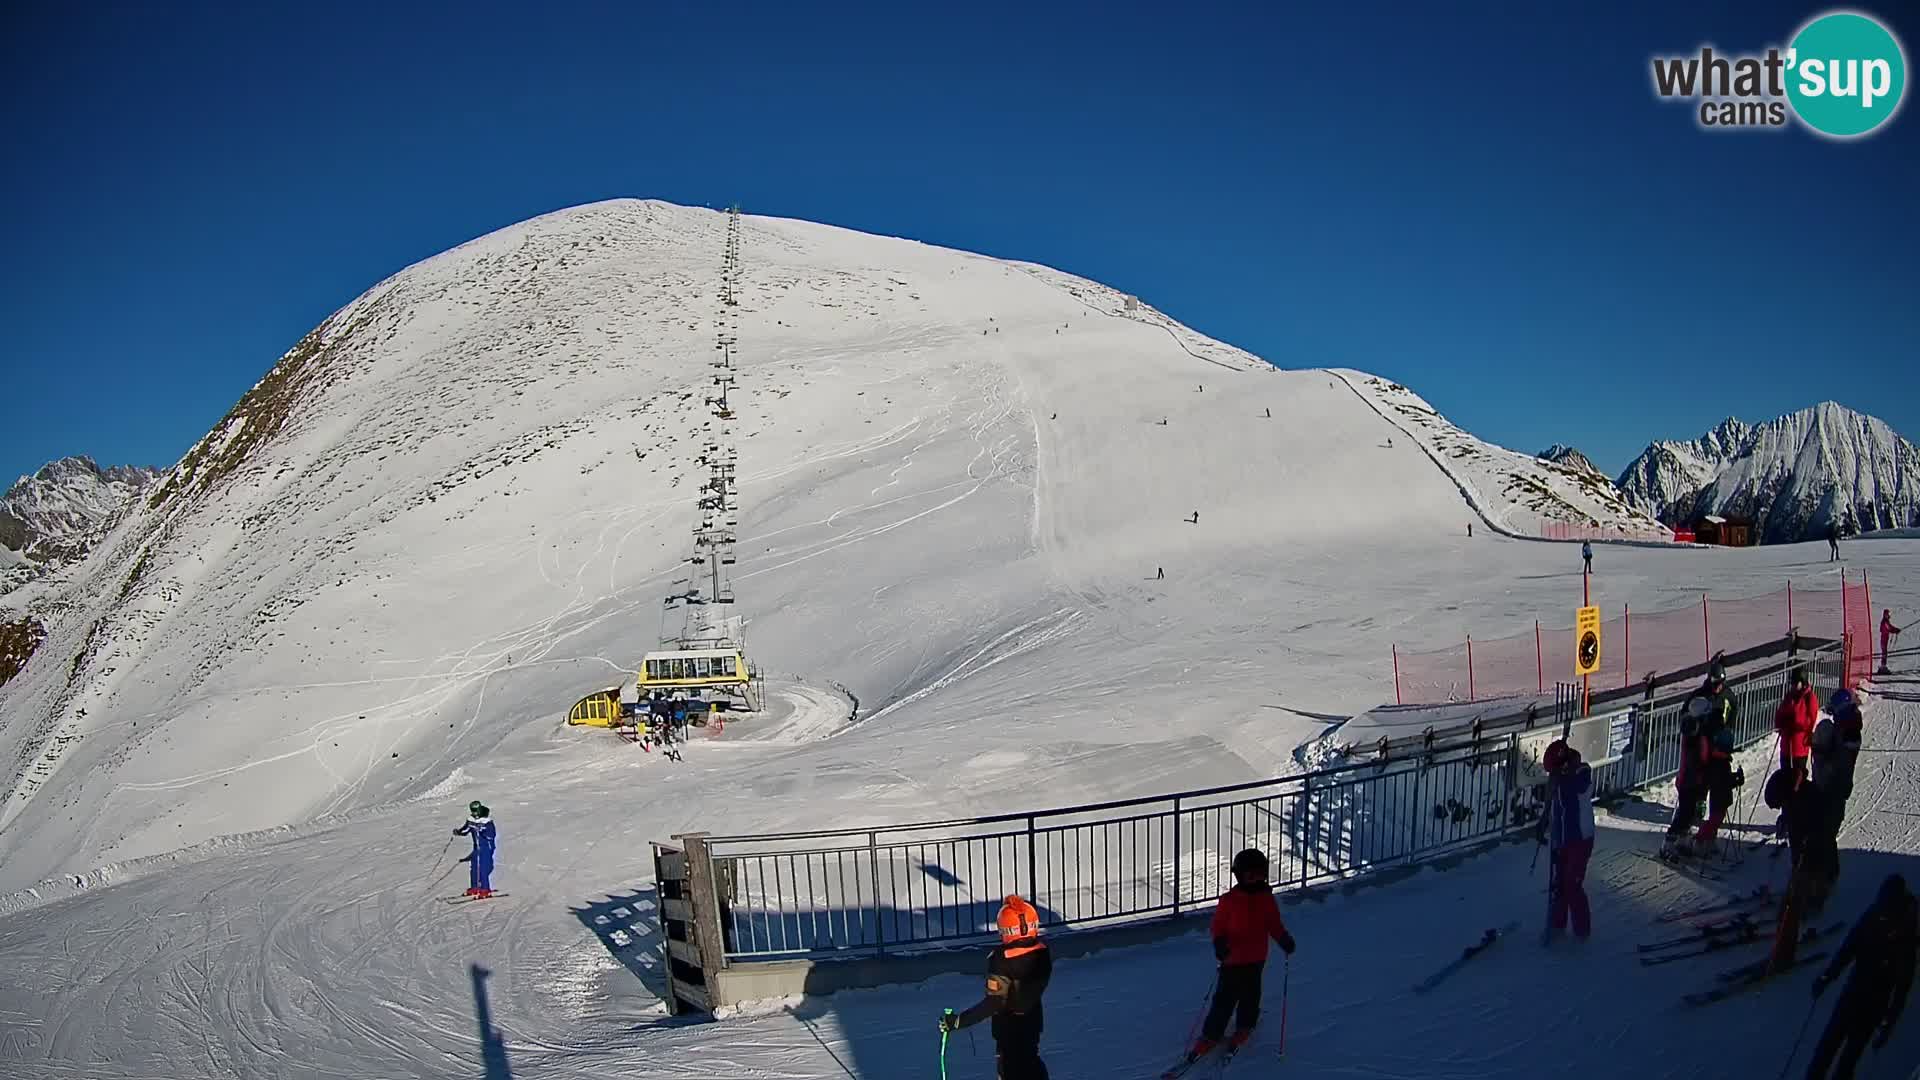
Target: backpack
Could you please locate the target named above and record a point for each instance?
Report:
(1778, 790)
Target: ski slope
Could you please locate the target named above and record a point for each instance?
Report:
(370, 595)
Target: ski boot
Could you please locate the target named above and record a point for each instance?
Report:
(1239, 1039)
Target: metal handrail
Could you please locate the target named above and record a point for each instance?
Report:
(896, 886)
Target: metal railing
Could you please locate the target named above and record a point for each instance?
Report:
(844, 891)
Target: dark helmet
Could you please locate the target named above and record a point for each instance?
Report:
(1251, 864)
(1717, 672)
(476, 808)
(1555, 755)
(1841, 701)
(1800, 676)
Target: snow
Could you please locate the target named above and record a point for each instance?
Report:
(1791, 476)
(1514, 493)
(212, 863)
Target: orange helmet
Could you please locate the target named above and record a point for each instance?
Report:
(1018, 921)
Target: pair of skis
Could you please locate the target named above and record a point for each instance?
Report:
(1746, 977)
(469, 898)
(1221, 1054)
(1734, 935)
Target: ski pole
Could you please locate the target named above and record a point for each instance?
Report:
(1787, 1066)
(943, 1044)
(1286, 983)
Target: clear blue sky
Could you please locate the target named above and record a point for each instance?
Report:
(1482, 201)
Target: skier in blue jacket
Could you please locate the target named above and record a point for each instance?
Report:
(479, 825)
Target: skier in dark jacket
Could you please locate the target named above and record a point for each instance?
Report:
(1813, 843)
(1567, 829)
(1586, 555)
(1881, 949)
(1833, 543)
(1243, 922)
(479, 825)
(1836, 748)
(1017, 974)
(1706, 763)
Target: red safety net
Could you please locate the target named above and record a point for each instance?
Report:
(1566, 530)
(1634, 643)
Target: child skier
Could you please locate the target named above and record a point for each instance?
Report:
(1880, 947)
(1245, 920)
(1568, 830)
(479, 825)
(1017, 974)
(1586, 554)
(1888, 632)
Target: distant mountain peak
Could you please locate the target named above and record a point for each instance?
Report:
(1792, 476)
(1562, 454)
(52, 516)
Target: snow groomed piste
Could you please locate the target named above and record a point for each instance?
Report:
(848, 892)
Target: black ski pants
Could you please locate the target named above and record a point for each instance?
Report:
(1849, 1032)
(1238, 995)
(1019, 1059)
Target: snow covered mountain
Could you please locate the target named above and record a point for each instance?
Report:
(48, 516)
(1668, 471)
(1561, 454)
(1516, 493)
(457, 505)
(1793, 476)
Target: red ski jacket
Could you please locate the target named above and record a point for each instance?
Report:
(1243, 923)
(1794, 720)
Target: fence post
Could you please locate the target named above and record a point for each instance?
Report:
(1866, 585)
(1789, 605)
(1539, 662)
(1033, 863)
(1706, 628)
(873, 870)
(1470, 696)
(703, 896)
(1846, 625)
(1396, 676)
(1413, 824)
(1626, 660)
(1176, 854)
(1306, 828)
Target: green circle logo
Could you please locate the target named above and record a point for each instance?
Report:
(1846, 74)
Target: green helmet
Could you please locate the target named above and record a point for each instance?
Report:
(477, 808)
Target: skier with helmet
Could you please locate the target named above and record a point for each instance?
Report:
(1706, 764)
(1836, 749)
(1017, 973)
(479, 825)
(1244, 921)
(1567, 829)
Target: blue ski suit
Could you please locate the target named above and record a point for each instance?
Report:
(480, 863)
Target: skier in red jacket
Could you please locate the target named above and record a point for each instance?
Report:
(1794, 720)
(1245, 920)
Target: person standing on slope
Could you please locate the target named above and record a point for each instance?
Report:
(1706, 755)
(1836, 750)
(1567, 829)
(1244, 921)
(1881, 949)
(1586, 554)
(1018, 970)
(1888, 632)
(1799, 711)
(479, 825)
(1833, 543)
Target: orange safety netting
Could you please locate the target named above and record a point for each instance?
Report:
(1635, 643)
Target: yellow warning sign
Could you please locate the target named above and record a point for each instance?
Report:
(1586, 641)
